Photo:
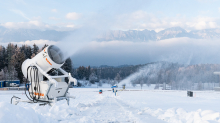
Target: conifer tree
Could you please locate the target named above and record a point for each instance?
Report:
(44, 47)
(18, 59)
(10, 52)
(35, 49)
(28, 52)
(11, 72)
(118, 78)
(2, 57)
(67, 66)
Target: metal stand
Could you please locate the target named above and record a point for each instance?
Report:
(16, 100)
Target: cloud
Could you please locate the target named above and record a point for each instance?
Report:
(19, 12)
(70, 26)
(134, 19)
(199, 23)
(54, 10)
(39, 25)
(120, 18)
(37, 18)
(27, 25)
(177, 50)
(73, 16)
(54, 18)
(39, 43)
(144, 20)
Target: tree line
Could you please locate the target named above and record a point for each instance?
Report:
(174, 75)
(108, 72)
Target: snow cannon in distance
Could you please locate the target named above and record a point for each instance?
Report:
(46, 77)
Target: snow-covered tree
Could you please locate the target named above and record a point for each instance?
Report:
(117, 78)
(93, 78)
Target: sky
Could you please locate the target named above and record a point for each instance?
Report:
(127, 14)
(89, 18)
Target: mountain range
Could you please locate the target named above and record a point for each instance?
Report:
(151, 35)
(17, 35)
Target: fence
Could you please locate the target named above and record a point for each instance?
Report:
(12, 89)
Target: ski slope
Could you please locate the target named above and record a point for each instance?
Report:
(139, 106)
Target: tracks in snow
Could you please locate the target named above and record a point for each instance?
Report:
(113, 110)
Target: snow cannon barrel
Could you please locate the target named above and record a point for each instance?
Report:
(49, 58)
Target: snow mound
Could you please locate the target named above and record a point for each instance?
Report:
(15, 114)
(179, 115)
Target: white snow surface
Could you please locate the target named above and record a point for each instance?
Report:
(132, 105)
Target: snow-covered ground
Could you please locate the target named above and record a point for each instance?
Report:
(151, 106)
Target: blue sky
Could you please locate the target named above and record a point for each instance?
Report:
(117, 14)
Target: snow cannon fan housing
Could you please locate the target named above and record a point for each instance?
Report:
(51, 57)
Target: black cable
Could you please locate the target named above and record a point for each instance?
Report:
(35, 88)
(14, 97)
(32, 96)
(29, 86)
(36, 84)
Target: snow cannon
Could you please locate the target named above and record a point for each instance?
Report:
(46, 78)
